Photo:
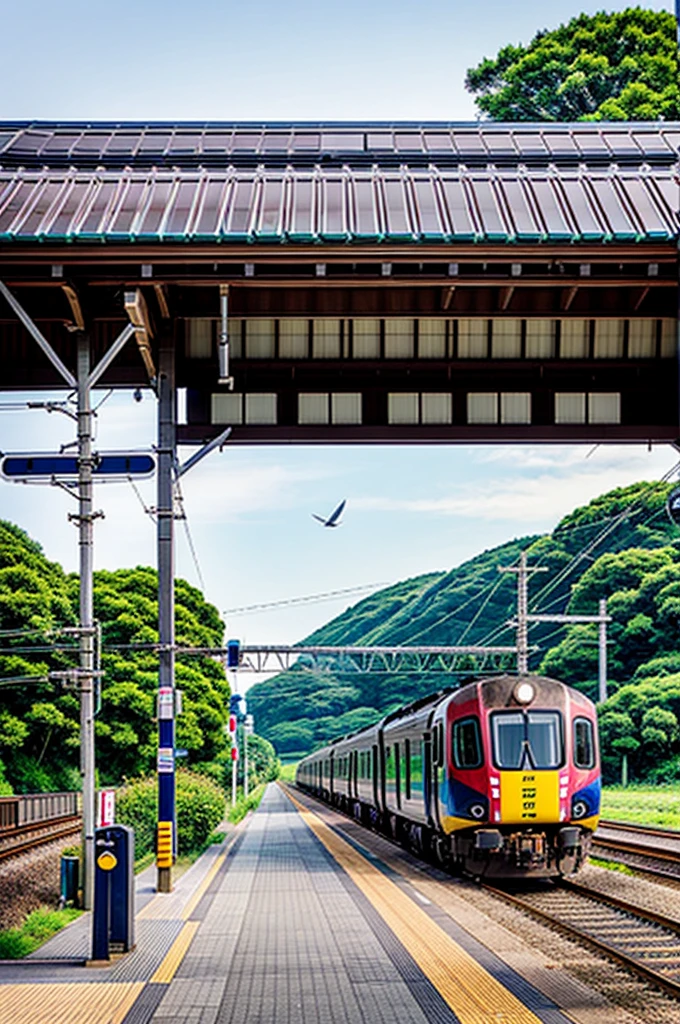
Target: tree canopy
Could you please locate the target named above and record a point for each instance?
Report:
(617, 67)
(39, 722)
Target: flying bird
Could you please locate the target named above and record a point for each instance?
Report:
(334, 517)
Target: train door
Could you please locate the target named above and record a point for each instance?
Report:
(374, 772)
(427, 776)
(350, 774)
(356, 775)
(331, 776)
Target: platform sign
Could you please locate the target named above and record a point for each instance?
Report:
(65, 467)
(106, 807)
(166, 760)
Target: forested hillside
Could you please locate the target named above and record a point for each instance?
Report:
(39, 720)
(621, 546)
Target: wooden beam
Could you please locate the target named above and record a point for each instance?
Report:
(644, 292)
(162, 299)
(76, 309)
(568, 296)
(505, 297)
(447, 296)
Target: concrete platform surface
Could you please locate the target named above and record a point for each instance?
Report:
(295, 922)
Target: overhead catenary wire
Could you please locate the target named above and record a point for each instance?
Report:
(327, 595)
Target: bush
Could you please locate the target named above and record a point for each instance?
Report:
(200, 807)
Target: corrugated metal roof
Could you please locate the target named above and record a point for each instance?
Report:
(406, 204)
(53, 144)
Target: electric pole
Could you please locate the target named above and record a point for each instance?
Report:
(522, 572)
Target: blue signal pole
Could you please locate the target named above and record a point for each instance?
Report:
(167, 825)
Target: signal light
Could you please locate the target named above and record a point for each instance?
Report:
(232, 723)
(233, 653)
(234, 753)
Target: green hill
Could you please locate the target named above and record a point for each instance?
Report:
(616, 546)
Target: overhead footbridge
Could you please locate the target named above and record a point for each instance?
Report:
(354, 282)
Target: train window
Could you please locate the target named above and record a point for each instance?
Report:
(584, 743)
(407, 769)
(467, 744)
(527, 740)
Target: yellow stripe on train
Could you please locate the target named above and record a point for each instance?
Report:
(528, 797)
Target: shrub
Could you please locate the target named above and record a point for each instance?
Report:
(199, 803)
(200, 807)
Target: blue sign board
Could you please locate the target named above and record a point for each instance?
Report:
(19, 467)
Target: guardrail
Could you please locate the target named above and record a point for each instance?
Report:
(31, 808)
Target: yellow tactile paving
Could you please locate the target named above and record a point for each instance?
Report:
(473, 994)
(173, 958)
(68, 1003)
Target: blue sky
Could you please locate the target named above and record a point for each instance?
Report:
(217, 59)
(410, 509)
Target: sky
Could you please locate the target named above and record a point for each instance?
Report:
(410, 510)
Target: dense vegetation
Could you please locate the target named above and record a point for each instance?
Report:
(606, 67)
(39, 719)
(621, 546)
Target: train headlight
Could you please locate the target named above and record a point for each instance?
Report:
(524, 693)
(579, 809)
(478, 811)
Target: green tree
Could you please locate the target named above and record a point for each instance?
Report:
(617, 67)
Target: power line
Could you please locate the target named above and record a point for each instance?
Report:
(328, 595)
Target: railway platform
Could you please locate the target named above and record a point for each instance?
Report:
(297, 921)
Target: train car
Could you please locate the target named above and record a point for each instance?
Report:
(499, 778)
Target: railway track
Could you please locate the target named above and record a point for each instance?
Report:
(646, 943)
(620, 841)
(30, 837)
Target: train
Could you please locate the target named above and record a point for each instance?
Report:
(499, 778)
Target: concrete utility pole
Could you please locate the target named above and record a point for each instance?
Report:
(166, 609)
(85, 519)
(247, 730)
(523, 572)
(523, 620)
(602, 652)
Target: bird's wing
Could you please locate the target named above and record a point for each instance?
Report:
(319, 519)
(332, 519)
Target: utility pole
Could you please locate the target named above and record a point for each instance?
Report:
(522, 572)
(602, 652)
(247, 730)
(85, 519)
(165, 513)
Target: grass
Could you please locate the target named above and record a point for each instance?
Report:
(611, 865)
(287, 773)
(241, 807)
(643, 805)
(39, 926)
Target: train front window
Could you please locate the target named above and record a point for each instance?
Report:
(530, 739)
(467, 744)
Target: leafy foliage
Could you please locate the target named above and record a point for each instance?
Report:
(39, 725)
(617, 67)
(618, 546)
(200, 807)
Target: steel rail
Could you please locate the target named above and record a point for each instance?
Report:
(626, 960)
(64, 827)
(645, 830)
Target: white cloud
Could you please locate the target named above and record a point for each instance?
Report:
(536, 501)
(219, 492)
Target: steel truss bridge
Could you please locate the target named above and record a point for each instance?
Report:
(388, 660)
